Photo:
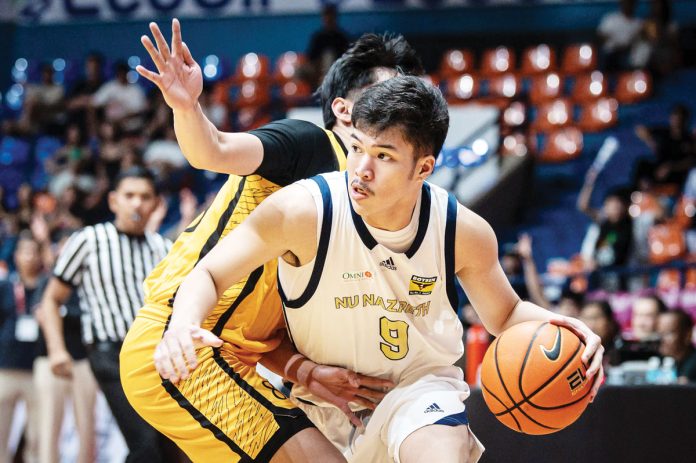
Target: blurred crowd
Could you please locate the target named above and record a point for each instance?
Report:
(631, 281)
(83, 137)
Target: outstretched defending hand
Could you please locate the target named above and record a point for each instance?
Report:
(593, 353)
(175, 355)
(178, 76)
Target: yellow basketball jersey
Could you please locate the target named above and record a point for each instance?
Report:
(248, 316)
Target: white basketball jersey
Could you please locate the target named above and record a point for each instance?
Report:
(369, 309)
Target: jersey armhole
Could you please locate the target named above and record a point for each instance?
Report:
(450, 246)
(324, 233)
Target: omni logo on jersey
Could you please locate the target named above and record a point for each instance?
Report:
(421, 285)
(357, 276)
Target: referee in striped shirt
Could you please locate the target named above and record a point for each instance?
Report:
(106, 264)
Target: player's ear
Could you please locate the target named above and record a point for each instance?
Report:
(342, 109)
(425, 168)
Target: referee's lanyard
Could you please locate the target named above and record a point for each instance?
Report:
(26, 328)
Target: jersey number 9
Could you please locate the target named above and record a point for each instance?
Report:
(395, 336)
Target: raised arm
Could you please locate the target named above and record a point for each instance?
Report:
(274, 229)
(585, 195)
(478, 269)
(531, 275)
(180, 80)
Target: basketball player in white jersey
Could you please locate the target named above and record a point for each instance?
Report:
(370, 257)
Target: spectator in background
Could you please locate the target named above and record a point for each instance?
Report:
(520, 268)
(675, 328)
(122, 101)
(608, 241)
(25, 205)
(63, 166)
(599, 316)
(43, 105)
(325, 46)
(644, 315)
(618, 32)
(658, 46)
(511, 263)
(53, 391)
(164, 157)
(643, 341)
(19, 296)
(63, 217)
(79, 99)
(690, 196)
(159, 116)
(111, 149)
(214, 110)
(673, 147)
(569, 304)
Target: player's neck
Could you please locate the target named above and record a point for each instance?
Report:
(395, 218)
(343, 132)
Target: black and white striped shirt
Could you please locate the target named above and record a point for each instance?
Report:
(107, 268)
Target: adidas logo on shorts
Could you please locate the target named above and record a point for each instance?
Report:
(433, 408)
(388, 263)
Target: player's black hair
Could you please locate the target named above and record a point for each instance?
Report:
(355, 69)
(407, 102)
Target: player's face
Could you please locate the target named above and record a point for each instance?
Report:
(133, 202)
(384, 177)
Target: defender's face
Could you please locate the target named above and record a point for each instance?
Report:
(382, 175)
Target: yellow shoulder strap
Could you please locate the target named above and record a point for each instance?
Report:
(338, 149)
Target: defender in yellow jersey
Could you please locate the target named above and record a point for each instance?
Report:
(225, 411)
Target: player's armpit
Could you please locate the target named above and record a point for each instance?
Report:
(478, 269)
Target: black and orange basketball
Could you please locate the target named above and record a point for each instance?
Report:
(533, 379)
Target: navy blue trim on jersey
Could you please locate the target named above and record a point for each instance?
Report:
(454, 420)
(365, 236)
(423, 220)
(321, 250)
(450, 246)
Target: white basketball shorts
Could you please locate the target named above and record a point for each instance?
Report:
(435, 398)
